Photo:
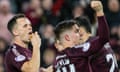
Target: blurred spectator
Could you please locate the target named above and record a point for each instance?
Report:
(5, 16)
(118, 31)
(47, 4)
(114, 30)
(2, 68)
(48, 57)
(34, 13)
(113, 13)
(113, 5)
(65, 11)
(57, 7)
(25, 6)
(3, 45)
(71, 9)
(78, 10)
(17, 5)
(1, 59)
(48, 16)
(47, 33)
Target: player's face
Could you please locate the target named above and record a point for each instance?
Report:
(83, 34)
(74, 35)
(24, 29)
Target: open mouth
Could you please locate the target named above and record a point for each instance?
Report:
(30, 34)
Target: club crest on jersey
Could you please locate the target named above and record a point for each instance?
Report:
(107, 45)
(85, 47)
(20, 58)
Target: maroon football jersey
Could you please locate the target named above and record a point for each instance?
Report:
(104, 60)
(15, 58)
(75, 59)
(78, 58)
(69, 60)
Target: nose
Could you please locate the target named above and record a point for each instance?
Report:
(29, 27)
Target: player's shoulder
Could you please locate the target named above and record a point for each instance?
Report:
(9, 55)
(9, 51)
(92, 38)
(13, 53)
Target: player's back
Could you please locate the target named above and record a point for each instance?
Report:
(103, 60)
(70, 61)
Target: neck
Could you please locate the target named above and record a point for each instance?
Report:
(65, 46)
(68, 45)
(20, 43)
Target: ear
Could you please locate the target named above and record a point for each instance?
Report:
(15, 32)
(67, 37)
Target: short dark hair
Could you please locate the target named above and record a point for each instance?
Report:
(12, 21)
(63, 26)
(84, 22)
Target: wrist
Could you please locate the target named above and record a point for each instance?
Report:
(36, 47)
(100, 13)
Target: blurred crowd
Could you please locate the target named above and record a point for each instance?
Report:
(45, 14)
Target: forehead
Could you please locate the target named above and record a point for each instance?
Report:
(82, 27)
(4, 3)
(75, 26)
(23, 21)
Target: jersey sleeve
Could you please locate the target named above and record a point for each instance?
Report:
(103, 30)
(102, 38)
(15, 59)
(18, 61)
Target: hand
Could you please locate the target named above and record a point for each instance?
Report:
(98, 7)
(35, 40)
(49, 69)
(43, 70)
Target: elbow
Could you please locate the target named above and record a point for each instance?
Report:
(30, 68)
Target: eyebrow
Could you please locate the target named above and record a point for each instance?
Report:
(27, 24)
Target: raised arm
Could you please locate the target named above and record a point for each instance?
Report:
(34, 63)
(103, 30)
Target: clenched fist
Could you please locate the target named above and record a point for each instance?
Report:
(98, 7)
